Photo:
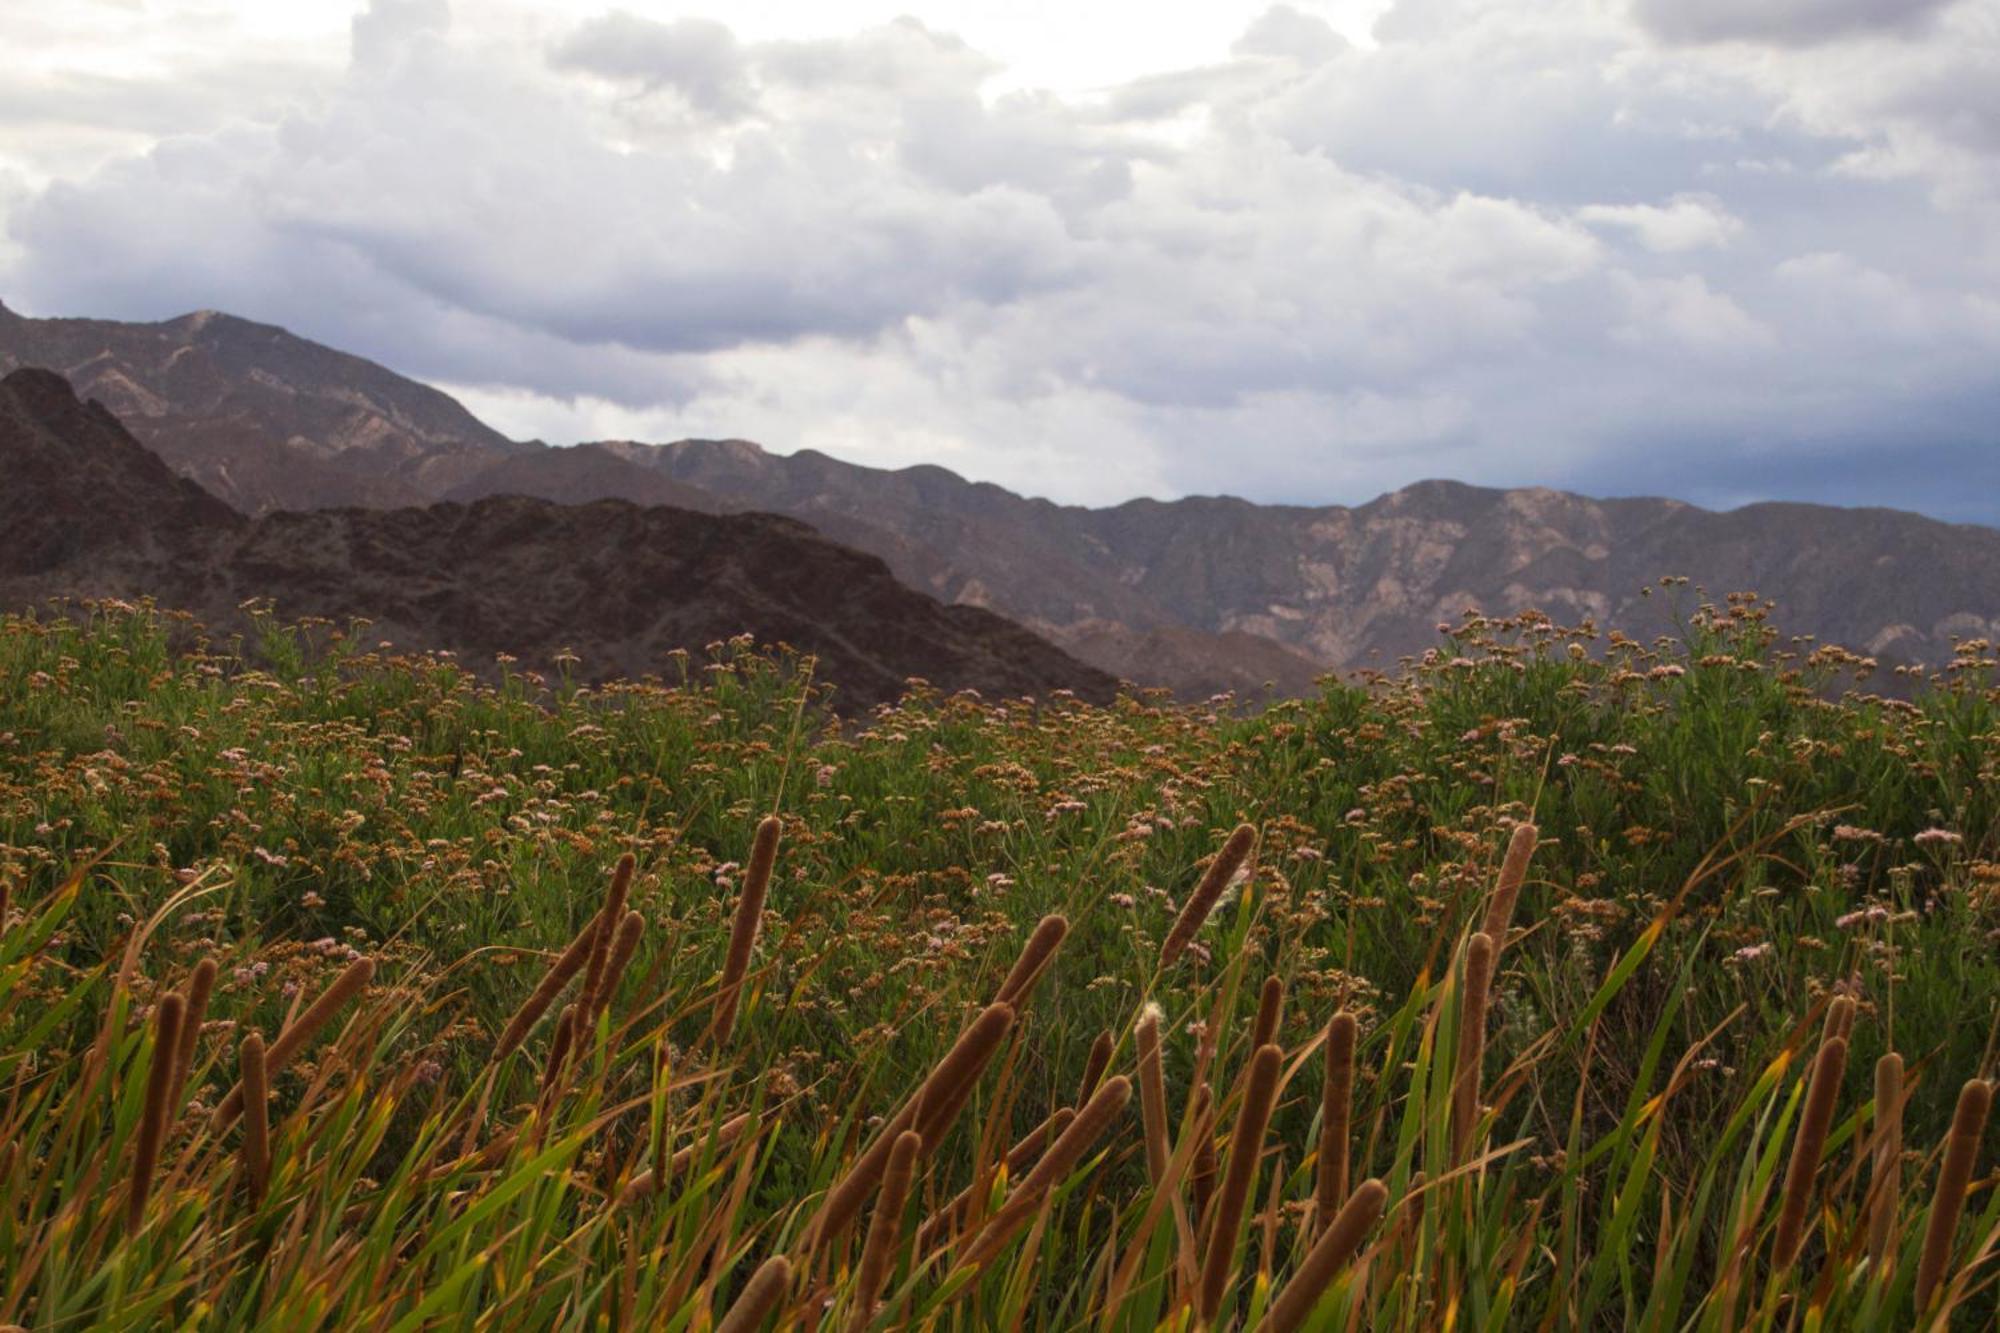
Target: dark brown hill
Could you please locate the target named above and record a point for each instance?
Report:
(89, 511)
(74, 486)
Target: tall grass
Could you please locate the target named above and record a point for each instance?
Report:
(1643, 987)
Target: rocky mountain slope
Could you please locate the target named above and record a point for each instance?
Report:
(89, 511)
(1362, 586)
(1199, 594)
(262, 419)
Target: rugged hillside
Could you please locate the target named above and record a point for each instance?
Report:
(1364, 585)
(75, 487)
(1198, 594)
(619, 584)
(262, 419)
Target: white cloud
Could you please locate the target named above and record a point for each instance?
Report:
(1686, 222)
(1504, 240)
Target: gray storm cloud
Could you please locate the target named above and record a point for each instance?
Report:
(1510, 242)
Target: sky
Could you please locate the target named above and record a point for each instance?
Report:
(1304, 252)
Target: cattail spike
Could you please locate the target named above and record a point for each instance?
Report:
(1507, 891)
(153, 1116)
(1961, 1154)
(608, 918)
(1242, 841)
(1336, 1116)
(761, 1295)
(256, 1117)
(1839, 1019)
(885, 1227)
(1885, 1182)
(1246, 1146)
(664, 1091)
(567, 1023)
(1020, 1158)
(1033, 960)
(1822, 1094)
(1328, 1256)
(1105, 1106)
(1270, 1013)
(1094, 1065)
(201, 984)
(743, 931)
(292, 1040)
(929, 1112)
(551, 985)
(1471, 1043)
(1152, 1093)
(648, 1182)
(623, 945)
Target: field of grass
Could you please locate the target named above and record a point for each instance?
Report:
(1059, 1017)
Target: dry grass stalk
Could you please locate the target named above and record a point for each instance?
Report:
(1961, 1154)
(1034, 958)
(301, 1030)
(1270, 1013)
(1273, 1205)
(1094, 1065)
(1336, 1112)
(201, 984)
(648, 1182)
(743, 932)
(1328, 1256)
(1201, 1177)
(1242, 841)
(153, 1117)
(1068, 1149)
(601, 931)
(1471, 1043)
(1885, 1184)
(1822, 1093)
(1152, 1093)
(761, 1295)
(551, 985)
(946, 1089)
(1507, 892)
(256, 1117)
(884, 1227)
(1246, 1146)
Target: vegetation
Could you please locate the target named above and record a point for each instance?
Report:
(1555, 981)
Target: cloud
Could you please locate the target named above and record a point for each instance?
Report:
(1687, 222)
(1512, 241)
(698, 58)
(1783, 22)
(1288, 34)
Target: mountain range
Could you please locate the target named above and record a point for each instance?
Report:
(1199, 594)
(88, 511)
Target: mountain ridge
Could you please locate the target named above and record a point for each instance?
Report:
(1197, 593)
(90, 512)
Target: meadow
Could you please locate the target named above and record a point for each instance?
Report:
(1551, 981)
